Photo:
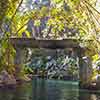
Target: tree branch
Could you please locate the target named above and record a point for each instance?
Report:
(21, 28)
(92, 7)
(13, 16)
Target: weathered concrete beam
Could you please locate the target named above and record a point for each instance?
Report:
(51, 44)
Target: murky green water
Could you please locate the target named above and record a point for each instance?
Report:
(40, 89)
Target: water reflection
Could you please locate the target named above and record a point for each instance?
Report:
(22, 92)
(40, 89)
(54, 90)
(89, 95)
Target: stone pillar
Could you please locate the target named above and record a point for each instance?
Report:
(80, 54)
(85, 72)
(18, 61)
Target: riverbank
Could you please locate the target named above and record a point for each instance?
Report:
(7, 80)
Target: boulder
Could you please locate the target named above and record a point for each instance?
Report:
(6, 78)
(11, 80)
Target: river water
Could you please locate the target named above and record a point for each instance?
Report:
(41, 89)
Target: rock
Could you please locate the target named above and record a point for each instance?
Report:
(6, 78)
(11, 80)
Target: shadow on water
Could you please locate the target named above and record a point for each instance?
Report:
(22, 92)
(40, 89)
(89, 95)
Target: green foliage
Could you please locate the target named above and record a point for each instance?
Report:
(28, 70)
(37, 23)
(3, 9)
